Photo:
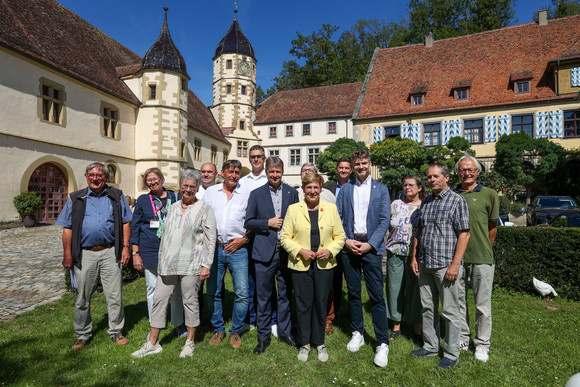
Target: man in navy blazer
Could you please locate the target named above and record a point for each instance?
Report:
(365, 209)
(265, 213)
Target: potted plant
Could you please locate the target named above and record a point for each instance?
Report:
(27, 203)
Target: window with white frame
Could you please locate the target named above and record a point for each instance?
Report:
(273, 152)
(289, 130)
(306, 129)
(273, 132)
(313, 155)
(523, 123)
(242, 148)
(431, 134)
(473, 131)
(110, 122)
(295, 157)
(52, 102)
(332, 127)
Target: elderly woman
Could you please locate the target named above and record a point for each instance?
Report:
(403, 298)
(185, 260)
(312, 234)
(149, 217)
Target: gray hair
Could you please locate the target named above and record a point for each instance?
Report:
(468, 157)
(274, 161)
(190, 174)
(232, 164)
(100, 166)
(444, 168)
(308, 165)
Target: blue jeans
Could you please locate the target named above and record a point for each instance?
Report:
(237, 262)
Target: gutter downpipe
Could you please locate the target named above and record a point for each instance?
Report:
(558, 78)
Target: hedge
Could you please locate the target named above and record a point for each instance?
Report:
(551, 255)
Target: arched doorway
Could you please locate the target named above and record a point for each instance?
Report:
(50, 182)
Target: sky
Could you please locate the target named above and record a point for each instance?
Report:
(197, 26)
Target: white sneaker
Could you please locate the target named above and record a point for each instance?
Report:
(482, 354)
(322, 353)
(188, 349)
(355, 342)
(303, 354)
(275, 330)
(382, 355)
(464, 345)
(147, 349)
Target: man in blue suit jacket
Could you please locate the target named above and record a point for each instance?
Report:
(365, 209)
(264, 216)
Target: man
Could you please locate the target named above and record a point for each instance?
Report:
(365, 209)
(343, 171)
(325, 194)
(95, 240)
(228, 202)
(264, 216)
(441, 237)
(478, 265)
(208, 176)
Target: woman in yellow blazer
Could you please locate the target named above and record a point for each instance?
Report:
(312, 234)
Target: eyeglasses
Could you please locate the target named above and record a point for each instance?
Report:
(468, 170)
(152, 181)
(257, 157)
(93, 175)
(409, 185)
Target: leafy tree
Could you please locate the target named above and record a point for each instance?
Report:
(563, 8)
(260, 95)
(328, 159)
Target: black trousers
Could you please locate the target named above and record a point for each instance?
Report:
(311, 290)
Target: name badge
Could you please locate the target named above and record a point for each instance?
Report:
(154, 224)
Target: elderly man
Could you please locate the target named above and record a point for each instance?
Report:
(228, 202)
(325, 194)
(440, 240)
(264, 216)
(95, 242)
(478, 262)
(208, 176)
(343, 171)
(365, 208)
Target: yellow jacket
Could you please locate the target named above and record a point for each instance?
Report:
(295, 234)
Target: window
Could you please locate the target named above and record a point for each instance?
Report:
(228, 64)
(225, 155)
(332, 128)
(572, 124)
(244, 90)
(110, 122)
(152, 91)
(229, 89)
(313, 155)
(197, 149)
(523, 124)
(522, 87)
(289, 130)
(417, 100)
(214, 154)
(242, 124)
(392, 131)
(461, 94)
(52, 98)
(242, 148)
(183, 84)
(274, 152)
(273, 132)
(182, 149)
(431, 134)
(112, 174)
(306, 129)
(295, 157)
(473, 131)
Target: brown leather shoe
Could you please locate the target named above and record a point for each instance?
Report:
(119, 339)
(217, 338)
(329, 329)
(79, 345)
(235, 340)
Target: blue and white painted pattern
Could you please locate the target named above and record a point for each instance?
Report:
(575, 77)
(556, 123)
(542, 127)
(412, 131)
(450, 129)
(378, 134)
(490, 129)
(504, 125)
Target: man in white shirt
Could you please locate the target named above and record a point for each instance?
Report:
(228, 202)
(257, 177)
(208, 176)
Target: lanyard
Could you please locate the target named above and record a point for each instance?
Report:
(156, 211)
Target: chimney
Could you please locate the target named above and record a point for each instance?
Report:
(542, 17)
(429, 40)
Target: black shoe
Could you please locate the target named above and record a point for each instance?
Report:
(261, 347)
(288, 340)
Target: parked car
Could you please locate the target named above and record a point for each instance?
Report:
(569, 218)
(544, 208)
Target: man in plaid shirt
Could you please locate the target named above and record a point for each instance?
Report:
(441, 237)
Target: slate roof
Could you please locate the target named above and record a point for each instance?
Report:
(235, 41)
(312, 103)
(488, 62)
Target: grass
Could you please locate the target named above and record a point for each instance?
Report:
(534, 342)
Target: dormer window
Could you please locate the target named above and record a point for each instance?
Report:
(522, 81)
(461, 94)
(522, 87)
(418, 100)
(417, 94)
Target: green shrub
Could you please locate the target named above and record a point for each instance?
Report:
(27, 202)
(549, 254)
(516, 208)
(504, 204)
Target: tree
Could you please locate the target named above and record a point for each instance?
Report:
(563, 8)
(327, 161)
(260, 95)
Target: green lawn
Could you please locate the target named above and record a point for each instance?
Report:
(533, 343)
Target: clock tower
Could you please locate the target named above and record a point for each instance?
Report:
(234, 91)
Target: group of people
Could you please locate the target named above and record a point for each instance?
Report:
(280, 244)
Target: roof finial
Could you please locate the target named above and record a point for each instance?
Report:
(165, 19)
(235, 9)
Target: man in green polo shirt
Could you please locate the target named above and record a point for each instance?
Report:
(479, 264)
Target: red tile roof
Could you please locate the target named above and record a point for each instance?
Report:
(199, 118)
(309, 104)
(488, 59)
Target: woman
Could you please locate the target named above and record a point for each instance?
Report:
(185, 259)
(312, 234)
(402, 287)
(146, 230)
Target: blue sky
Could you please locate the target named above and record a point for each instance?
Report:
(270, 25)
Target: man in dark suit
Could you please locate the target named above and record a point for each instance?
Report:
(343, 170)
(365, 209)
(264, 216)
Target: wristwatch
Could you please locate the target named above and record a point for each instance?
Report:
(134, 252)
